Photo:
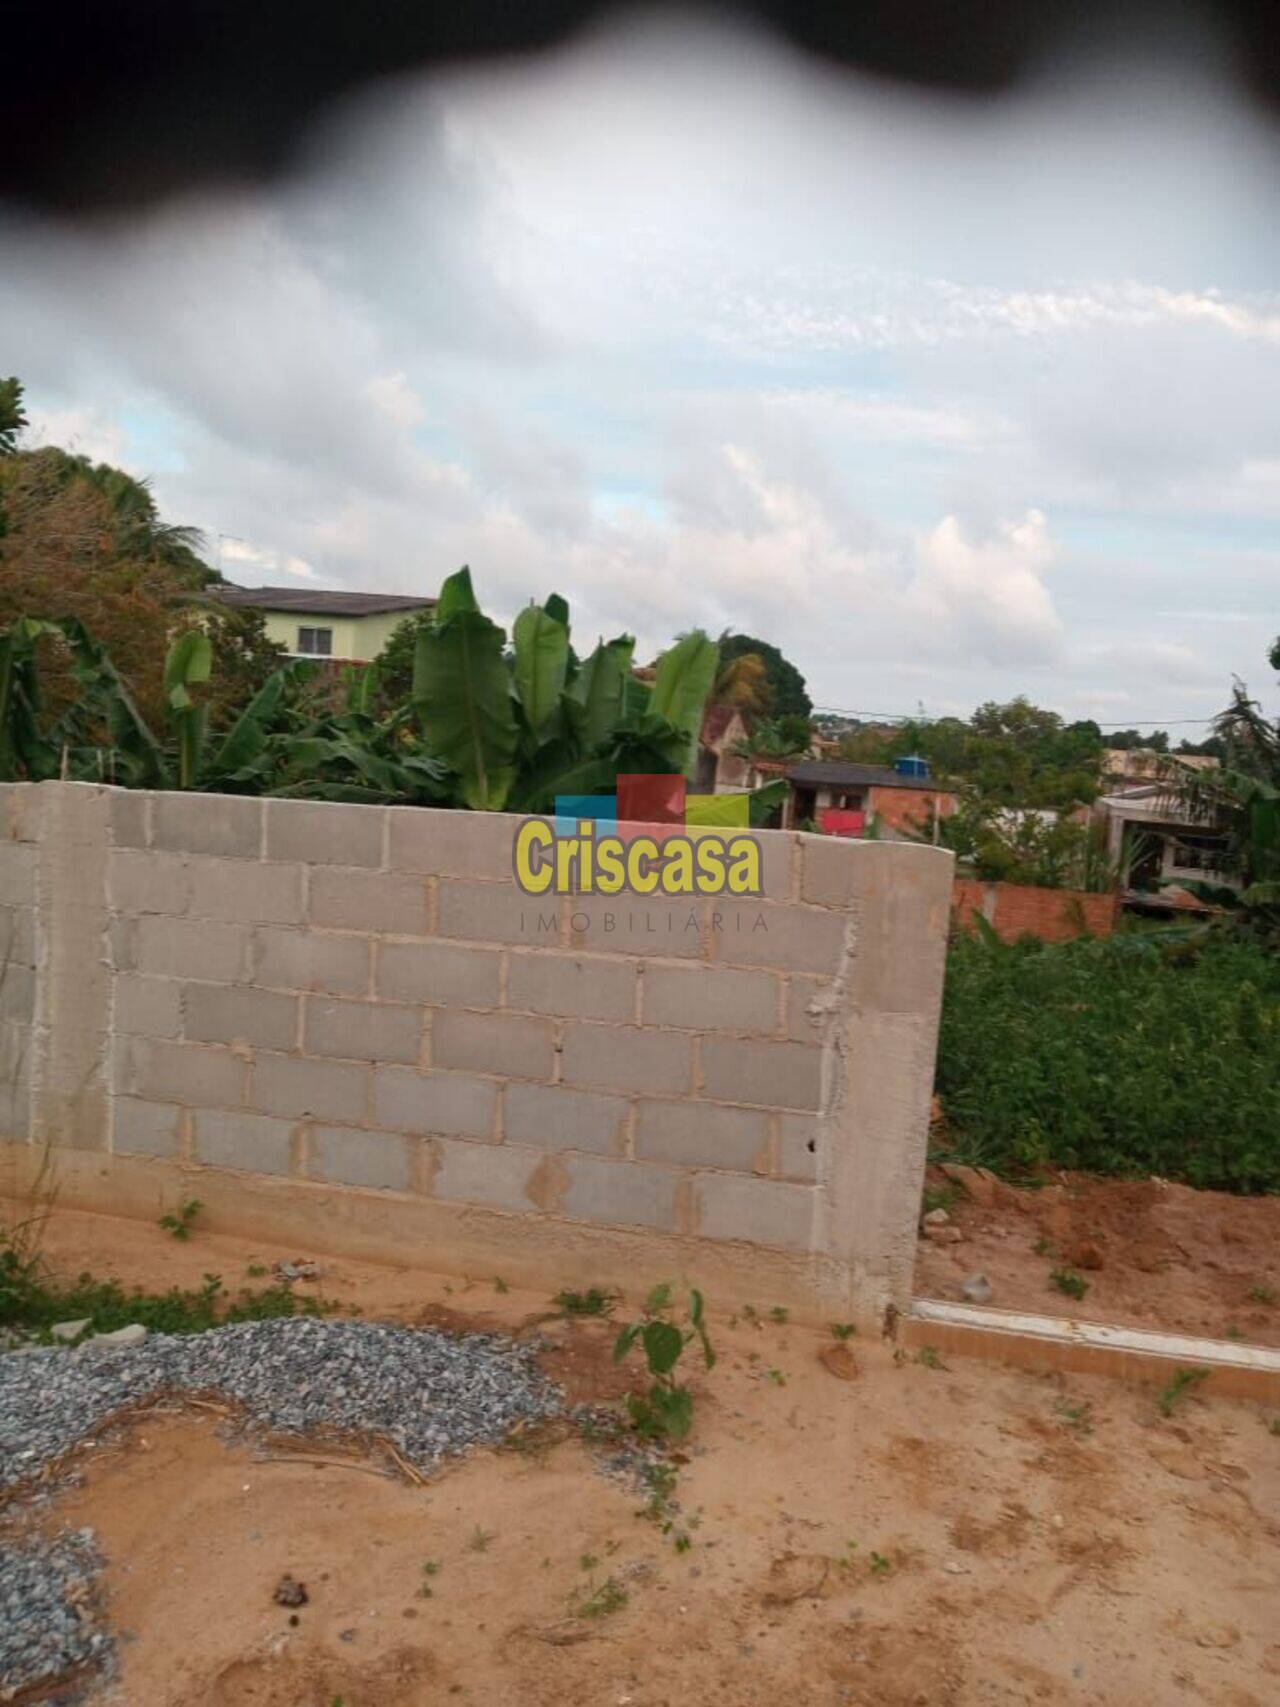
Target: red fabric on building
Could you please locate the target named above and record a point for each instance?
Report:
(841, 821)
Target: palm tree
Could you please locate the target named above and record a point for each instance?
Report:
(742, 683)
(770, 739)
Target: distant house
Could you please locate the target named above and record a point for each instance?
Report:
(1127, 767)
(347, 627)
(1153, 841)
(720, 770)
(845, 798)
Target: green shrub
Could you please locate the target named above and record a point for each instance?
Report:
(1132, 1055)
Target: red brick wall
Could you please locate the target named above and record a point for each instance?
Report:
(909, 809)
(1054, 915)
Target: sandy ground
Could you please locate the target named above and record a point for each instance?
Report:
(1152, 1254)
(910, 1535)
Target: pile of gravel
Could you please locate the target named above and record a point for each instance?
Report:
(431, 1394)
(46, 1620)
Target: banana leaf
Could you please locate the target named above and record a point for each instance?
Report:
(764, 801)
(462, 700)
(107, 696)
(247, 738)
(24, 752)
(600, 687)
(541, 658)
(189, 661)
(685, 676)
(456, 593)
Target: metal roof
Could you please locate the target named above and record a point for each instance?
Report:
(842, 773)
(308, 601)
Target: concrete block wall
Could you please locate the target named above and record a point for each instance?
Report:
(359, 999)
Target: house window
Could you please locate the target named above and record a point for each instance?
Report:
(315, 642)
(1196, 853)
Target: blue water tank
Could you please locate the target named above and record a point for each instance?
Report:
(911, 766)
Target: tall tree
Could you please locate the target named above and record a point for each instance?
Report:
(788, 695)
(86, 540)
(12, 417)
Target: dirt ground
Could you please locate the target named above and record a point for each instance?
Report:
(910, 1535)
(1152, 1254)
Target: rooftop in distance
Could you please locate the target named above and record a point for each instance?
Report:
(312, 601)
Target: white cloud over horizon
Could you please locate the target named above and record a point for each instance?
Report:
(948, 403)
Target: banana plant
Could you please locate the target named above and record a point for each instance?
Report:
(189, 661)
(462, 695)
(24, 750)
(517, 731)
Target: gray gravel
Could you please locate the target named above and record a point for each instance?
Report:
(432, 1394)
(47, 1629)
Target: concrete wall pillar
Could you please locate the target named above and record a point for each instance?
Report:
(70, 1086)
(882, 1039)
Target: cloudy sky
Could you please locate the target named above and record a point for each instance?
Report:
(949, 400)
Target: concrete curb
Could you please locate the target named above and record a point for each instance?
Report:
(1050, 1343)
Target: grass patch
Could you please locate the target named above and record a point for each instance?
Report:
(595, 1301)
(1132, 1055)
(1184, 1381)
(33, 1300)
(1069, 1282)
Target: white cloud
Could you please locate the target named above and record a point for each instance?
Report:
(83, 430)
(989, 597)
(696, 336)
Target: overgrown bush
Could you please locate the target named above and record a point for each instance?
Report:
(1131, 1055)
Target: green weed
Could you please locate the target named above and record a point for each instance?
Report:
(1130, 1055)
(1068, 1281)
(180, 1222)
(843, 1330)
(608, 1597)
(1079, 1417)
(595, 1301)
(1184, 1381)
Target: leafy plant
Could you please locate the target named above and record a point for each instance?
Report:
(1078, 1417)
(1262, 1294)
(1068, 1281)
(595, 1301)
(930, 1357)
(666, 1411)
(1241, 799)
(180, 1222)
(481, 1539)
(605, 1598)
(1134, 1055)
(1183, 1382)
(38, 1300)
(515, 731)
(843, 1330)
(481, 726)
